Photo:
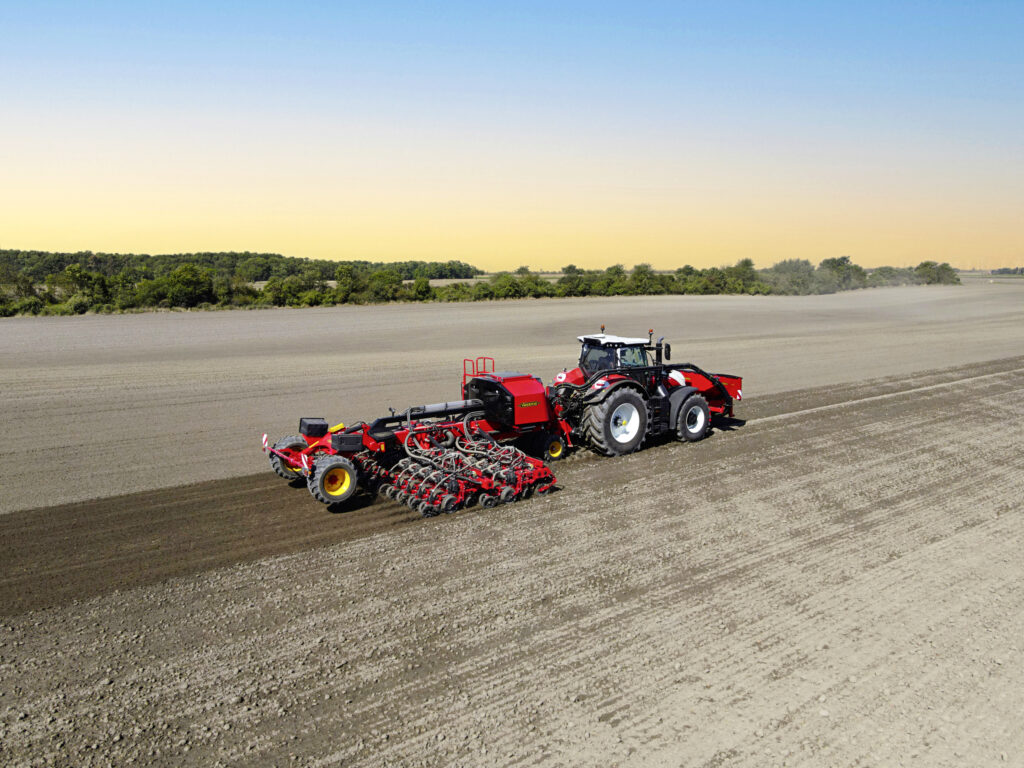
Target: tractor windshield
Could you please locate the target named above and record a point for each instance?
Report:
(594, 359)
(633, 357)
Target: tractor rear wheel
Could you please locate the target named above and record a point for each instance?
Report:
(694, 419)
(334, 479)
(281, 467)
(618, 424)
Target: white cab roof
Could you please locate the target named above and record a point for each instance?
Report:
(604, 339)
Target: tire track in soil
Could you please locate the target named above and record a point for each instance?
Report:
(599, 629)
(53, 555)
(75, 551)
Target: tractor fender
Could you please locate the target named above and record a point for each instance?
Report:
(676, 398)
(600, 395)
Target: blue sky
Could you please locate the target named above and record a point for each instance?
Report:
(684, 123)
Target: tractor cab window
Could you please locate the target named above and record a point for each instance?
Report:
(594, 359)
(633, 357)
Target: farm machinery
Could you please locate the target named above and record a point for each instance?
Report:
(494, 445)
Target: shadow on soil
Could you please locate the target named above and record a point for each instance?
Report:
(729, 424)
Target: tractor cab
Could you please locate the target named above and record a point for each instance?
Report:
(631, 357)
(603, 351)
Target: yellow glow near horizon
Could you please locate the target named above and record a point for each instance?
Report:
(492, 223)
(498, 197)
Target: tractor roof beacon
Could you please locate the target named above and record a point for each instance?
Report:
(607, 340)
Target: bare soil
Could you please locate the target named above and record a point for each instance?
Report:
(835, 581)
(107, 405)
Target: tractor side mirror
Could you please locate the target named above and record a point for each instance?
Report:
(668, 352)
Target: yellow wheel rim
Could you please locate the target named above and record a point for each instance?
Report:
(555, 449)
(337, 481)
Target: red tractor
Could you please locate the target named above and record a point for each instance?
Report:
(490, 447)
(624, 391)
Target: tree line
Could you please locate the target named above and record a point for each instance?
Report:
(35, 282)
(245, 265)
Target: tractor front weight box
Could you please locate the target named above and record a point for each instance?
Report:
(347, 443)
(313, 427)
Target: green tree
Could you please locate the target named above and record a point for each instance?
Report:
(482, 291)
(350, 282)
(189, 286)
(744, 273)
(421, 290)
(253, 269)
(573, 282)
(505, 286)
(76, 278)
(456, 292)
(384, 285)
(644, 282)
(791, 277)
(847, 274)
(933, 273)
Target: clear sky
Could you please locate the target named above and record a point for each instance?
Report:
(503, 134)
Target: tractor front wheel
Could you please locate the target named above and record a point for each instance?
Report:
(694, 419)
(334, 479)
(618, 424)
(281, 467)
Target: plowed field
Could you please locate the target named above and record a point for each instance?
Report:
(837, 580)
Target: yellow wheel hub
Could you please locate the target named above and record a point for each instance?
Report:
(555, 449)
(337, 481)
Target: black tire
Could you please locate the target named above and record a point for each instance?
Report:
(280, 467)
(334, 479)
(694, 419)
(554, 448)
(618, 424)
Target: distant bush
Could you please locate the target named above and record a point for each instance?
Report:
(250, 267)
(930, 273)
(35, 282)
(32, 305)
